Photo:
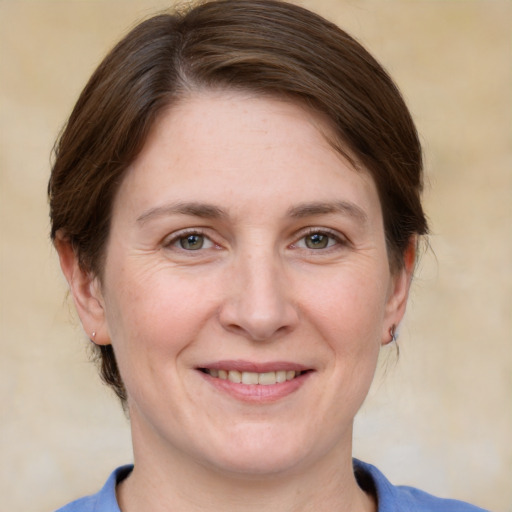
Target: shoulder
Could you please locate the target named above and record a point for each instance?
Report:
(426, 502)
(104, 500)
(86, 504)
(407, 499)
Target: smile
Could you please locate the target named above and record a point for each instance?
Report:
(262, 379)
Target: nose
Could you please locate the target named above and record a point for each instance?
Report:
(258, 304)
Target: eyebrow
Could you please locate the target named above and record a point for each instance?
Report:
(203, 210)
(210, 211)
(323, 208)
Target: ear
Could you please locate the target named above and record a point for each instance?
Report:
(399, 292)
(86, 291)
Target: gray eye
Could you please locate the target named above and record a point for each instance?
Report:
(192, 242)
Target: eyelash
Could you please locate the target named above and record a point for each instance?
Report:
(182, 235)
(332, 236)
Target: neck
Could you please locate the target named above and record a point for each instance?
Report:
(175, 482)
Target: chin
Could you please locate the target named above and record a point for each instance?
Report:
(258, 465)
(261, 452)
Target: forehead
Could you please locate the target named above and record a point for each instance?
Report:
(254, 146)
(227, 116)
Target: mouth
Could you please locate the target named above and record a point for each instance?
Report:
(254, 378)
(256, 382)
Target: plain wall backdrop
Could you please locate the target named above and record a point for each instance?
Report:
(441, 417)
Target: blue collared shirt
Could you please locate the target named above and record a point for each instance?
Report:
(390, 498)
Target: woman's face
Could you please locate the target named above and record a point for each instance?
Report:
(244, 248)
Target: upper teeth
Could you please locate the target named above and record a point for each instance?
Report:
(265, 379)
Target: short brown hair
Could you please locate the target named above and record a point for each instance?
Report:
(265, 46)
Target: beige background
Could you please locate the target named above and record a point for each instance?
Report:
(440, 418)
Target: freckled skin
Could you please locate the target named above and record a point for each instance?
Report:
(254, 290)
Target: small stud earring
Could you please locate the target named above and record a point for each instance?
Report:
(93, 335)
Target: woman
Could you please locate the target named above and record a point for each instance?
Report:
(236, 206)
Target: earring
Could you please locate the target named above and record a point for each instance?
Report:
(392, 333)
(93, 335)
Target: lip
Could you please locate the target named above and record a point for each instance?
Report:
(250, 366)
(255, 393)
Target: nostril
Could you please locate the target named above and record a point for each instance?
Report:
(244, 320)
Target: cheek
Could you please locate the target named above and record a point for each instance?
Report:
(345, 314)
(152, 320)
(348, 305)
(153, 312)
